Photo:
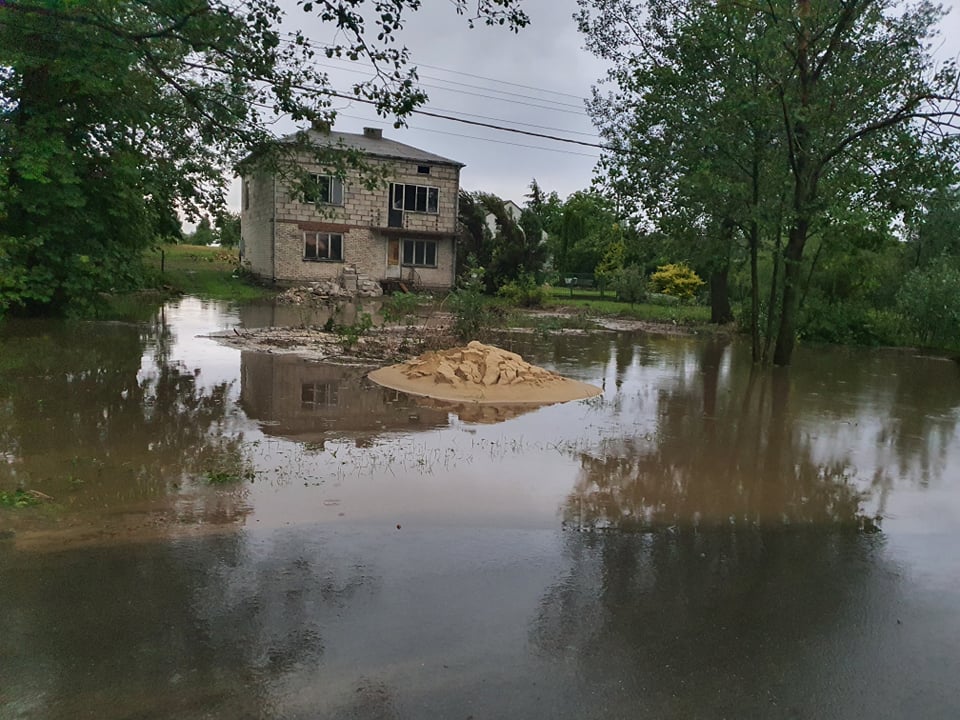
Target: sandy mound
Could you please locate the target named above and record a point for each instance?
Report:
(481, 373)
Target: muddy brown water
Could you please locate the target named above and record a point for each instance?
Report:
(699, 542)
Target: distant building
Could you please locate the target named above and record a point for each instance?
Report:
(514, 212)
(404, 230)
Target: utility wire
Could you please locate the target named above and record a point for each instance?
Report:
(475, 123)
(330, 92)
(483, 139)
(321, 46)
(455, 82)
(557, 107)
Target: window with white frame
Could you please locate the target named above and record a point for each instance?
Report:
(420, 253)
(323, 246)
(323, 190)
(416, 198)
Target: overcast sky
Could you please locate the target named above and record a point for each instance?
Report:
(535, 80)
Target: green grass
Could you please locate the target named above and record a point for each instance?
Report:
(203, 271)
(561, 292)
(18, 499)
(674, 314)
(223, 477)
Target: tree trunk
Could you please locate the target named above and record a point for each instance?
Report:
(792, 257)
(754, 292)
(774, 281)
(720, 311)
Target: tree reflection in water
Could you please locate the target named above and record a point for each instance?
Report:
(720, 455)
(203, 627)
(99, 416)
(723, 622)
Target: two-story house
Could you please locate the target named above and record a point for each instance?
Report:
(404, 229)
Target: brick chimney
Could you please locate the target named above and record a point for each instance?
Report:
(373, 133)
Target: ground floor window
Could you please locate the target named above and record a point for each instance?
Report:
(314, 395)
(420, 253)
(322, 246)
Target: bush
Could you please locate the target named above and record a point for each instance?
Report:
(630, 284)
(523, 292)
(471, 314)
(402, 307)
(844, 323)
(929, 301)
(676, 279)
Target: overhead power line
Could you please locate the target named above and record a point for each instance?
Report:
(475, 123)
(323, 46)
(483, 139)
(551, 106)
(416, 111)
(369, 69)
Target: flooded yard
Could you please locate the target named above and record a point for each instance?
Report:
(233, 534)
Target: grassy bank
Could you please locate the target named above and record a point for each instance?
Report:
(206, 272)
(673, 314)
(212, 273)
(589, 301)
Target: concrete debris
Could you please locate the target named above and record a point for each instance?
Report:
(330, 289)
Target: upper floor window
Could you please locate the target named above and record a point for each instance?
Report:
(323, 190)
(322, 246)
(416, 198)
(423, 169)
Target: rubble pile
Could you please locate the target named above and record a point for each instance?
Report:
(368, 288)
(328, 289)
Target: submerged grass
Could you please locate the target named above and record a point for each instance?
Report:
(206, 272)
(688, 315)
(221, 477)
(18, 499)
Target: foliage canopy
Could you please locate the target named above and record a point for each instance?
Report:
(117, 116)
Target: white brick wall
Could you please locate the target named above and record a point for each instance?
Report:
(256, 223)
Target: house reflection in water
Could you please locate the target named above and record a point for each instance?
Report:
(310, 402)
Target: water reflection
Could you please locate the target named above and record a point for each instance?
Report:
(716, 458)
(100, 414)
(719, 443)
(175, 630)
(403, 573)
(311, 402)
(722, 623)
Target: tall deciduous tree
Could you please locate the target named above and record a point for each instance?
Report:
(843, 94)
(116, 115)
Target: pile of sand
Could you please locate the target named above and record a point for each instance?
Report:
(481, 373)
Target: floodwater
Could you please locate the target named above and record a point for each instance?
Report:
(696, 543)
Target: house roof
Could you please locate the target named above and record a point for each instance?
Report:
(376, 146)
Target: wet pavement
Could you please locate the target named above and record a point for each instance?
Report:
(244, 535)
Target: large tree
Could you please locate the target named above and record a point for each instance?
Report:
(843, 92)
(118, 115)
